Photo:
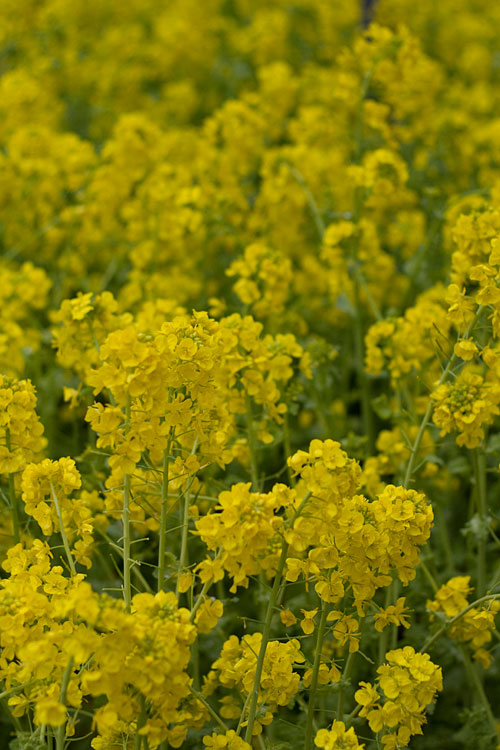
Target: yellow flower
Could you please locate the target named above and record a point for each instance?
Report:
(49, 711)
(208, 614)
(393, 614)
(307, 623)
(288, 618)
(337, 738)
(465, 349)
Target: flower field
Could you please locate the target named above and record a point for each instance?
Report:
(249, 375)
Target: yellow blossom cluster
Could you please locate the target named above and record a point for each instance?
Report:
(466, 406)
(249, 354)
(264, 280)
(409, 682)
(337, 737)
(246, 533)
(473, 625)
(21, 433)
(344, 541)
(54, 625)
(46, 489)
(23, 295)
(236, 667)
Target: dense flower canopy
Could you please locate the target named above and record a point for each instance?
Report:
(249, 374)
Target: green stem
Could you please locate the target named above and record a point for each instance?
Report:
(363, 382)
(287, 448)
(61, 731)
(243, 712)
(12, 492)
(428, 413)
(263, 646)
(195, 664)
(201, 598)
(315, 674)
(450, 623)
(14, 719)
(126, 524)
(163, 515)
(254, 471)
(313, 206)
(353, 714)
(18, 689)
(483, 699)
(480, 487)
(442, 527)
(15, 509)
(345, 676)
(183, 559)
(209, 708)
(140, 723)
(273, 597)
(93, 336)
(429, 576)
(360, 278)
(384, 636)
(62, 531)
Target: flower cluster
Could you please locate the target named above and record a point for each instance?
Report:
(264, 280)
(337, 737)
(250, 279)
(473, 625)
(345, 541)
(246, 533)
(21, 432)
(46, 490)
(236, 667)
(466, 406)
(408, 682)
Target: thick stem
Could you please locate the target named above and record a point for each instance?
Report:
(140, 723)
(483, 699)
(243, 712)
(163, 515)
(315, 674)
(62, 531)
(201, 598)
(263, 646)
(384, 636)
(209, 708)
(287, 449)
(126, 524)
(254, 471)
(14, 509)
(183, 559)
(273, 598)
(61, 731)
(195, 664)
(12, 493)
(313, 206)
(345, 676)
(363, 382)
(442, 527)
(14, 719)
(429, 576)
(480, 487)
(426, 418)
